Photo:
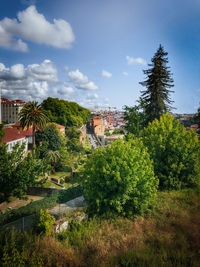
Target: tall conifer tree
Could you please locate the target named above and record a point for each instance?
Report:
(158, 82)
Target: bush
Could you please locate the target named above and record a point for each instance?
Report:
(175, 152)
(44, 222)
(120, 180)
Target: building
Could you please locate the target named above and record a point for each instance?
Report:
(10, 110)
(61, 129)
(98, 125)
(14, 136)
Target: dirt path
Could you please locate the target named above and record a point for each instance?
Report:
(17, 203)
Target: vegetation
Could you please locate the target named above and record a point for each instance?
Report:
(46, 203)
(65, 113)
(116, 131)
(167, 237)
(175, 153)
(50, 135)
(18, 173)
(158, 81)
(73, 139)
(120, 180)
(135, 118)
(1, 132)
(32, 115)
(44, 222)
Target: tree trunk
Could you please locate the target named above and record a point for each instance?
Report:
(33, 148)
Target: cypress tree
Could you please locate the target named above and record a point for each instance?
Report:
(158, 82)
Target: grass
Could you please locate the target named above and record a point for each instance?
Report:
(169, 236)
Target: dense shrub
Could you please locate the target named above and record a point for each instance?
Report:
(175, 152)
(44, 222)
(120, 180)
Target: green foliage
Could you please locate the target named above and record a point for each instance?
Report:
(44, 222)
(1, 132)
(175, 152)
(120, 180)
(13, 252)
(65, 113)
(18, 173)
(34, 207)
(135, 118)
(156, 96)
(73, 142)
(51, 135)
(107, 134)
(118, 131)
(33, 115)
(70, 193)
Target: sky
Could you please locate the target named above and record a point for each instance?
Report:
(94, 52)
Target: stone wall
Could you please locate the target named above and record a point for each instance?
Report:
(42, 192)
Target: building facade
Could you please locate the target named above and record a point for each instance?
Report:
(10, 110)
(12, 137)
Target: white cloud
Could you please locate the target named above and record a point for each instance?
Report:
(28, 83)
(135, 61)
(106, 74)
(92, 96)
(125, 73)
(106, 99)
(33, 26)
(81, 81)
(65, 90)
(45, 71)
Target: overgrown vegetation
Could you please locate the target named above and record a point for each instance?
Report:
(167, 237)
(36, 206)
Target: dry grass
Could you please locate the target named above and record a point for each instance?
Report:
(169, 236)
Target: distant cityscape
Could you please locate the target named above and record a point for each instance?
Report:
(106, 125)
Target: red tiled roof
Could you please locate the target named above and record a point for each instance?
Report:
(6, 101)
(61, 126)
(97, 118)
(12, 134)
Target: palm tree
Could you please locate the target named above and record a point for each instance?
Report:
(53, 157)
(32, 115)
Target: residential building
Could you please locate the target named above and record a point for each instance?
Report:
(10, 110)
(14, 136)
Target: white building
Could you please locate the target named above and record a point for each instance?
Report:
(10, 110)
(13, 136)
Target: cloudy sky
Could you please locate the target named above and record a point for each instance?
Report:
(93, 51)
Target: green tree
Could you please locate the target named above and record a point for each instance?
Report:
(1, 132)
(158, 82)
(65, 113)
(18, 173)
(175, 152)
(53, 157)
(32, 115)
(50, 134)
(120, 179)
(135, 118)
(73, 139)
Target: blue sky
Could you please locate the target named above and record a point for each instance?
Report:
(93, 51)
